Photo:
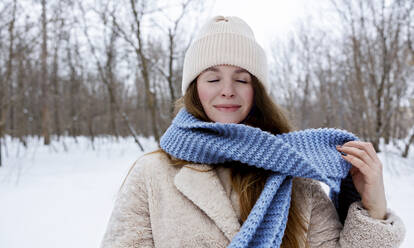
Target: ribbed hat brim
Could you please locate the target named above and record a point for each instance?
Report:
(224, 49)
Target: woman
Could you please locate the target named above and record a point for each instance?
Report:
(218, 180)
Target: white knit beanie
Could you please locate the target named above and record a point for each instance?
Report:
(225, 41)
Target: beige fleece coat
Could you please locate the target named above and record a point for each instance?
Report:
(161, 205)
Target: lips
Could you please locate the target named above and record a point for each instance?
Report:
(227, 107)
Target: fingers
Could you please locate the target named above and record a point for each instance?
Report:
(358, 153)
(358, 163)
(366, 174)
(366, 146)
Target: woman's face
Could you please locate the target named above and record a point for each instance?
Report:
(226, 93)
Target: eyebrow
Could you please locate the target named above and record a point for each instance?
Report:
(241, 70)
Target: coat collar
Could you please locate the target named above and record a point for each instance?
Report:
(200, 184)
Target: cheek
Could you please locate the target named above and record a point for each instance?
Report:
(203, 96)
(204, 93)
(248, 95)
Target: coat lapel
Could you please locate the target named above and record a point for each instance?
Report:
(200, 184)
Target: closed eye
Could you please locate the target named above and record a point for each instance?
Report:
(240, 81)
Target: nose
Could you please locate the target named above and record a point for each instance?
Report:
(228, 89)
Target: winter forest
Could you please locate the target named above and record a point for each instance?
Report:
(74, 68)
(80, 71)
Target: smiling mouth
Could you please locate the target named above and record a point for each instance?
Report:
(227, 107)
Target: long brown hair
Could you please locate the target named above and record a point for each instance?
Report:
(249, 181)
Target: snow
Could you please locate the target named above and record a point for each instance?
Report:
(62, 195)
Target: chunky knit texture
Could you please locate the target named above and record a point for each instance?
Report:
(309, 153)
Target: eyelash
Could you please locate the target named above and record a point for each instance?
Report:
(240, 81)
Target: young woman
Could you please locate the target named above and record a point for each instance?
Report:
(230, 171)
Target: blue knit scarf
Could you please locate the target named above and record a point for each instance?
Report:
(310, 153)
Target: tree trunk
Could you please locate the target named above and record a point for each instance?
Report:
(150, 96)
(407, 146)
(4, 95)
(56, 93)
(44, 80)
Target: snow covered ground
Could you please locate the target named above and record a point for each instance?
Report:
(62, 195)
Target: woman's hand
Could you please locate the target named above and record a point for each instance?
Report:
(366, 172)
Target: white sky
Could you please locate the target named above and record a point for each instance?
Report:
(268, 19)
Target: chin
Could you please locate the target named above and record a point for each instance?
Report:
(228, 120)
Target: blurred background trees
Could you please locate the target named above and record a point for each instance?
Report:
(355, 73)
(72, 68)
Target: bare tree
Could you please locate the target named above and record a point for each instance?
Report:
(357, 78)
(173, 53)
(107, 76)
(119, 72)
(5, 84)
(44, 77)
(376, 38)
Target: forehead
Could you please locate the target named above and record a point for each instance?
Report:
(217, 69)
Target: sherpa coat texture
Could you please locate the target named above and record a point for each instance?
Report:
(161, 205)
